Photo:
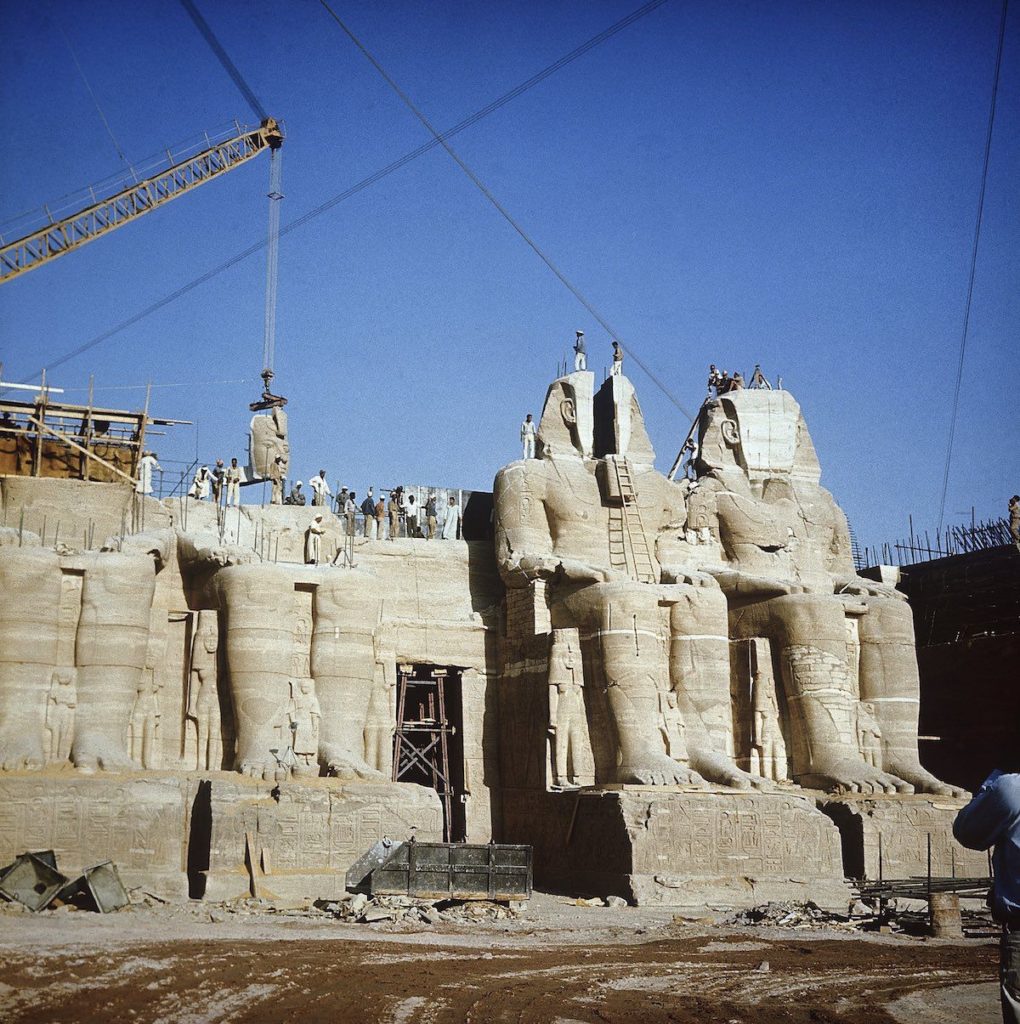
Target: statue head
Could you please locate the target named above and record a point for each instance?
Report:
(619, 422)
(62, 677)
(566, 427)
(268, 442)
(761, 433)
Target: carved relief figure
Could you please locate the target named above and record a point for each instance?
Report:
(562, 534)
(869, 735)
(671, 725)
(567, 721)
(60, 705)
(203, 742)
(380, 720)
(768, 748)
(788, 576)
(143, 731)
(303, 717)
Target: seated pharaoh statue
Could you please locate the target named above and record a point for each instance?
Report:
(579, 525)
(842, 647)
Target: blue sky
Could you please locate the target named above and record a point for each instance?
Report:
(790, 183)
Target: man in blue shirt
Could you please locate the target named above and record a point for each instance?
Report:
(992, 818)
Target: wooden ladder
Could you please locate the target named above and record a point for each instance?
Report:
(626, 530)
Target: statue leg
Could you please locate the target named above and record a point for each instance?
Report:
(809, 633)
(110, 649)
(29, 620)
(628, 628)
(890, 682)
(259, 652)
(343, 666)
(699, 669)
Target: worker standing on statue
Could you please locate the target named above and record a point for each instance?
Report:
(580, 354)
(233, 480)
(218, 474)
(320, 488)
(528, 430)
(617, 370)
(992, 819)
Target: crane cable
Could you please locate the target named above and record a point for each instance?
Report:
(275, 193)
(973, 261)
(221, 55)
(480, 185)
(353, 190)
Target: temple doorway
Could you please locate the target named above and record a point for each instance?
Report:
(428, 744)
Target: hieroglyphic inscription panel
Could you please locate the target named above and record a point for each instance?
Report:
(756, 835)
(320, 828)
(897, 831)
(139, 823)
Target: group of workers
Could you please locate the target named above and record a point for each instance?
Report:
(720, 382)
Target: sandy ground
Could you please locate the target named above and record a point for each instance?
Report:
(560, 964)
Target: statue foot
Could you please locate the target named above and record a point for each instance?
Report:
(924, 782)
(659, 770)
(268, 771)
(102, 756)
(719, 769)
(854, 777)
(17, 755)
(342, 764)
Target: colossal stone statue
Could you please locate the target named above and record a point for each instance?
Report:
(589, 527)
(787, 573)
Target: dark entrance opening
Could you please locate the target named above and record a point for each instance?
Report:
(428, 745)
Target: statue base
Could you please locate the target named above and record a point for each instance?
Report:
(684, 848)
(888, 837)
(213, 835)
(137, 820)
(292, 839)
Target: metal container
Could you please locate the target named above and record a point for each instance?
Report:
(32, 880)
(438, 871)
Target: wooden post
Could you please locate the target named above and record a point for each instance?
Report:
(88, 428)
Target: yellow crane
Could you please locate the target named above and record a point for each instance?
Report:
(101, 216)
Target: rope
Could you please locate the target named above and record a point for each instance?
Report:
(91, 91)
(973, 261)
(353, 190)
(480, 185)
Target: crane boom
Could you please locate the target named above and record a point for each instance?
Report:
(102, 217)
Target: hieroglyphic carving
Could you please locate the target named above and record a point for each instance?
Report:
(138, 824)
(745, 834)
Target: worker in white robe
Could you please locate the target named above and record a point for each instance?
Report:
(452, 520)
(313, 540)
(146, 465)
(200, 485)
(320, 489)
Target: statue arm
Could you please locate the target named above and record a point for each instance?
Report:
(739, 584)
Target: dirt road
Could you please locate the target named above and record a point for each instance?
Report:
(560, 967)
